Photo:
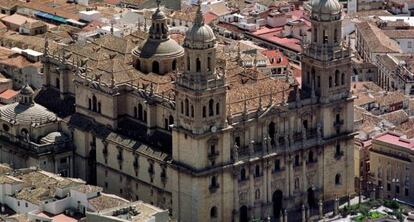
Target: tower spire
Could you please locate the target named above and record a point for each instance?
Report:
(199, 20)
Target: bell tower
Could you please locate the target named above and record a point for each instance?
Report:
(201, 136)
(326, 79)
(326, 60)
(201, 89)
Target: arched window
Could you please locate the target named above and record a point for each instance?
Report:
(211, 107)
(198, 65)
(208, 64)
(135, 112)
(315, 35)
(243, 174)
(308, 77)
(187, 107)
(188, 63)
(174, 64)
(305, 124)
(330, 81)
(99, 107)
(182, 107)
(145, 116)
(140, 112)
(343, 78)
(214, 181)
(155, 67)
(336, 35)
(89, 104)
(217, 108)
(170, 121)
(257, 171)
(94, 103)
(310, 156)
(204, 111)
(213, 212)
(338, 179)
(337, 78)
(325, 37)
(58, 83)
(192, 111)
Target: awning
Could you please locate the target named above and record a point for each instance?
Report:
(74, 22)
(51, 17)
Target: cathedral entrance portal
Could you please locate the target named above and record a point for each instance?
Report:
(277, 203)
(243, 214)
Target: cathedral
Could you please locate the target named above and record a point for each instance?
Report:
(186, 128)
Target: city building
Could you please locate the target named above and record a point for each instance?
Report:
(390, 163)
(32, 136)
(203, 136)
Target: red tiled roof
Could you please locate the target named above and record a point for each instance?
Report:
(395, 140)
(209, 16)
(8, 94)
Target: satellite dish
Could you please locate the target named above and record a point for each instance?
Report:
(213, 129)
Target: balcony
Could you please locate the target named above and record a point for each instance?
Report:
(213, 188)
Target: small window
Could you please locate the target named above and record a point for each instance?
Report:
(338, 179)
(243, 174)
(213, 212)
(6, 127)
(217, 108)
(277, 165)
(204, 111)
(257, 171)
(210, 107)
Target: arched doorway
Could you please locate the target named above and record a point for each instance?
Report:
(155, 67)
(243, 214)
(272, 131)
(311, 198)
(277, 200)
(174, 64)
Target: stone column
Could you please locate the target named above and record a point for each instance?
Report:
(292, 179)
(287, 178)
(236, 188)
(308, 213)
(285, 216)
(336, 206)
(320, 209)
(303, 213)
(305, 180)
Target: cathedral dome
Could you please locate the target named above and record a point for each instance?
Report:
(326, 10)
(19, 113)
(166, 48)
(200, 35)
